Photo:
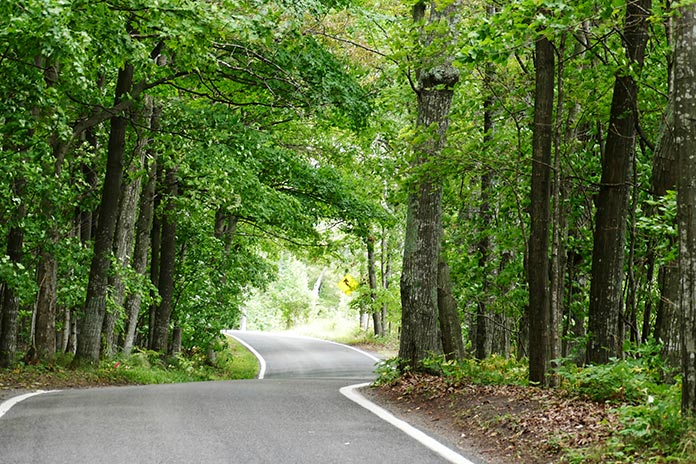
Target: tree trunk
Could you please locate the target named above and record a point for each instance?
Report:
(95, 304)
(155, 248)
(45, 328)
(142, 238)
(685, 143)
(10, 300)
(125, 232)
(484, 244)
(538, 267)
(372, 280)
(436, 81)
(664, 178)
(385, 264)
(605, 321)
(558, 228)
(167, 265)
(450, 322)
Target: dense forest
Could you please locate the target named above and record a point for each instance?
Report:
(500, 176)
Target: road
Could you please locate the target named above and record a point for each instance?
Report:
(294, 415)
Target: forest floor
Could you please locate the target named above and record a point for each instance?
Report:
(498, 424)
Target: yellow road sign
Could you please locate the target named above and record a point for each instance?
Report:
(348, 285)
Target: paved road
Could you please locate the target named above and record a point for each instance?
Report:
(295, 415)
(303, 357)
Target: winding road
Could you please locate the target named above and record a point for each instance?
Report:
(294, 413)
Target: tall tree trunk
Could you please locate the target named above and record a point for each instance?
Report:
(372, 280)
(87, 228)
(434, 90)
(558, 226)
(538, 267)
(664, 178)
(485, 216)
(167, 265)
(124, 235)
(142, 237)
(155, 247)
(45, 327)
(630, 321)
(10, 300)
(95, 304)
(385, 268)
(448, 313)
(685, 144)
(606, 288)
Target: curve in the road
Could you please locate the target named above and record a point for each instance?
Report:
(259, 358)
(351, 392)
(7, 405)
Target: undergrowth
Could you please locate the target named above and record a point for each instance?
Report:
(142, 367)
(644, 392)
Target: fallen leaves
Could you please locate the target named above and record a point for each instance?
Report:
(515, 423)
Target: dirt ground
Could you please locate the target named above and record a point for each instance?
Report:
(497, 424)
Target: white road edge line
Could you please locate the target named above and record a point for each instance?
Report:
(351, 393)
(374, 358)
(7, 405)
(306, 337)
(262, 362)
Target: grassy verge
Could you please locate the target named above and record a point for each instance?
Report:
(347, 332)
(141, 368)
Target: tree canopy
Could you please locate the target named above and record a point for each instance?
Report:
(165, 162)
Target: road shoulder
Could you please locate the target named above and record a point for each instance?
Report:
(439, 438)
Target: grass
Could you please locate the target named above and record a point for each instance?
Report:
(346, 331)
(141, 368)
(244, 364)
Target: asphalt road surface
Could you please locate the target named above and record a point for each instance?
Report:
(294, 415)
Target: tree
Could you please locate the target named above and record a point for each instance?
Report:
(606, 289)
(88, 346)
(538, 267)
(685, 144)
(167, 264)
(436, 78)
(10, 298)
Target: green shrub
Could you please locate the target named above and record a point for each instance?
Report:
(630, 380)
(388, 371)
(494, 370)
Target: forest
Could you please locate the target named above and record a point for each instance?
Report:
(500, 177)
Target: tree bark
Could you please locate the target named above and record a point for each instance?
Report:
(538, 267)
(125, 231)
(606, 291)
(155, 247)
(664, 178)
(558, 228)
(685, 143)
(450, 322)
(434, 90)
(385, 268)
(10, 300)
(167, 265)
(45, 327)
(95, 304)
(372, 281)
(142, 236)
(484, 244)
